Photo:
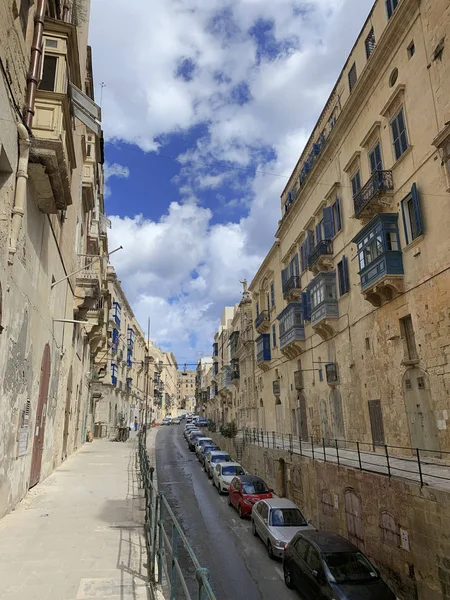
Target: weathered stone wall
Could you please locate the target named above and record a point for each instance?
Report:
(417, 564)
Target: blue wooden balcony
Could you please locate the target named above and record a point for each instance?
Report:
(262, 321)
(324, 303)
(263, 356)
(292, 329)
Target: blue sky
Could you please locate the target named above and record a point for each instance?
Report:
(206, 108)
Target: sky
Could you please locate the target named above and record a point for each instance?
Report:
(206, 108)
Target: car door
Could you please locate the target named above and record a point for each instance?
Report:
(313, 574)
(235, 490)
(256, 516)
(263, 522)
(298, 565)
(216, 475)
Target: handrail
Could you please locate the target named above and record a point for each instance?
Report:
(163, 550)
(381, 181)
(322, 248)
(418, 466)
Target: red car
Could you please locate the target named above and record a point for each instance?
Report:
(245, 491)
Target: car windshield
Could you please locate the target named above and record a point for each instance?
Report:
(233, 470)
(207, 449)
(204, 442)
(350, 567)
(254, 487)
(220, 458)
(287, 517)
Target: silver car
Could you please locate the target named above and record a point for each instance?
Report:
(202, 441)
(214, 457)
(276, 521)
(223, 473)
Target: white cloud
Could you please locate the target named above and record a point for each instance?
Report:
(147, 97)
(114, 170)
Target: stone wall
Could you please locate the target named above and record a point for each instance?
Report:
(405, 529)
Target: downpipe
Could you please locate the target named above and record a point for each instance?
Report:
(18, 210)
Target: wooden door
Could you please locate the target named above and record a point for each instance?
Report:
(67, 414)
(354, 516)
(302, 416)
(41, 413)
(376, 422)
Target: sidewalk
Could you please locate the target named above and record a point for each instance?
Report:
(79, 534)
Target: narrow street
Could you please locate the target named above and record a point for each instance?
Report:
(238, 562)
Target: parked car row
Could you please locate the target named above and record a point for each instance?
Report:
(171, 421)
(321, 565)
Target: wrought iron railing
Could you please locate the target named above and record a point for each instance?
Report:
(381, 181)
(263, 316)
(424, 466)
(291, 284)
(171, 559)
(323, 248)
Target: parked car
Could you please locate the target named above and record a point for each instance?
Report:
(192, 439)
(202, 441)
(276, 521)
(167, 421)
(214, 457)
(323, 565)
(223, 473)
(188, 430)
(245, 491)
(204, 450)
(202, 422)
(176, 421)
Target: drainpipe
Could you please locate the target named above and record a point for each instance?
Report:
(35, 63)
(21, 190)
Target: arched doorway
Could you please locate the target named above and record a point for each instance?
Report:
(67, 414)
(41, 413)
(337, 416)
(354, 517)
(418, 405)
(302, 416)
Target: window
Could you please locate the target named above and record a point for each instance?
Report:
(411, 50)
(407, 331)
(274, 336)
(391, 5)
(370, 43)
(301, 546)
(376, 163)
(342, 273)
(376, 242)
(389, 529)
(23, 14)
(399, 134)
(313, 559)
(257, 309)
(356, 183)
(352, 77)
(336, 216)
(51, 43)
(48, 79)
(272, 294)
(306, 305)
(412, 216)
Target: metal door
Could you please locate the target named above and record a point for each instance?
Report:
(41, 413)
(67, 414)
(354, 516)
(376, 422)
(302, 417)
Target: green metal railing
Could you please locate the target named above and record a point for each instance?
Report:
(171, 558)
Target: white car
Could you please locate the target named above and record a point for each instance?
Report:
(214, 457)
(223, 473)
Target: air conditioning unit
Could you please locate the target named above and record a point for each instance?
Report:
(276, 387)
(298, 380)
(331, 373)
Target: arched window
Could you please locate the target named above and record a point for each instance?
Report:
(389, 529)
(354, 517)
(327, 504)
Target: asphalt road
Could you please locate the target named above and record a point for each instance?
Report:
(238, 562)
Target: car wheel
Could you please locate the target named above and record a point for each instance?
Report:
(255, 533)
(218, 488)
(270, 550)
(288, 577)
(240, 513)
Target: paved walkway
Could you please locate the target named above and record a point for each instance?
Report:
(78, 535)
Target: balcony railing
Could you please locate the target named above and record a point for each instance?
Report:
(262, 319)
(380, 183)
(235, 375)
(276, 387)
(291, 285)
(323, 248)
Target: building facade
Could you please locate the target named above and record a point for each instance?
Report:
(186, 390)
(358, 280)
(203, 385)
(52, 239)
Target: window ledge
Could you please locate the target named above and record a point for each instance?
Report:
(414, 243)
(410, 362)
(407, 152)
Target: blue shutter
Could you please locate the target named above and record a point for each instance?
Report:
(283, 279)
(337, 216)
(318, 233)
(309, 243)
(343, 281)
(306, 306)
(296, 266)
(416, 203)
(328, 223)
(257, 309)
(303, 256)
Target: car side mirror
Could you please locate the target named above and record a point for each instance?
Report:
(271, 490)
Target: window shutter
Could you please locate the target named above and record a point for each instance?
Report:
(337, 216)
(416, 202)
(296, 267)
(303, 256)
(328, 223)
(306, 305)
(309, 243)
(257, 309)
(319, 232)
(345, 274)
(283, 277)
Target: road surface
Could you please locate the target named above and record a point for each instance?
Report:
(238, 562)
